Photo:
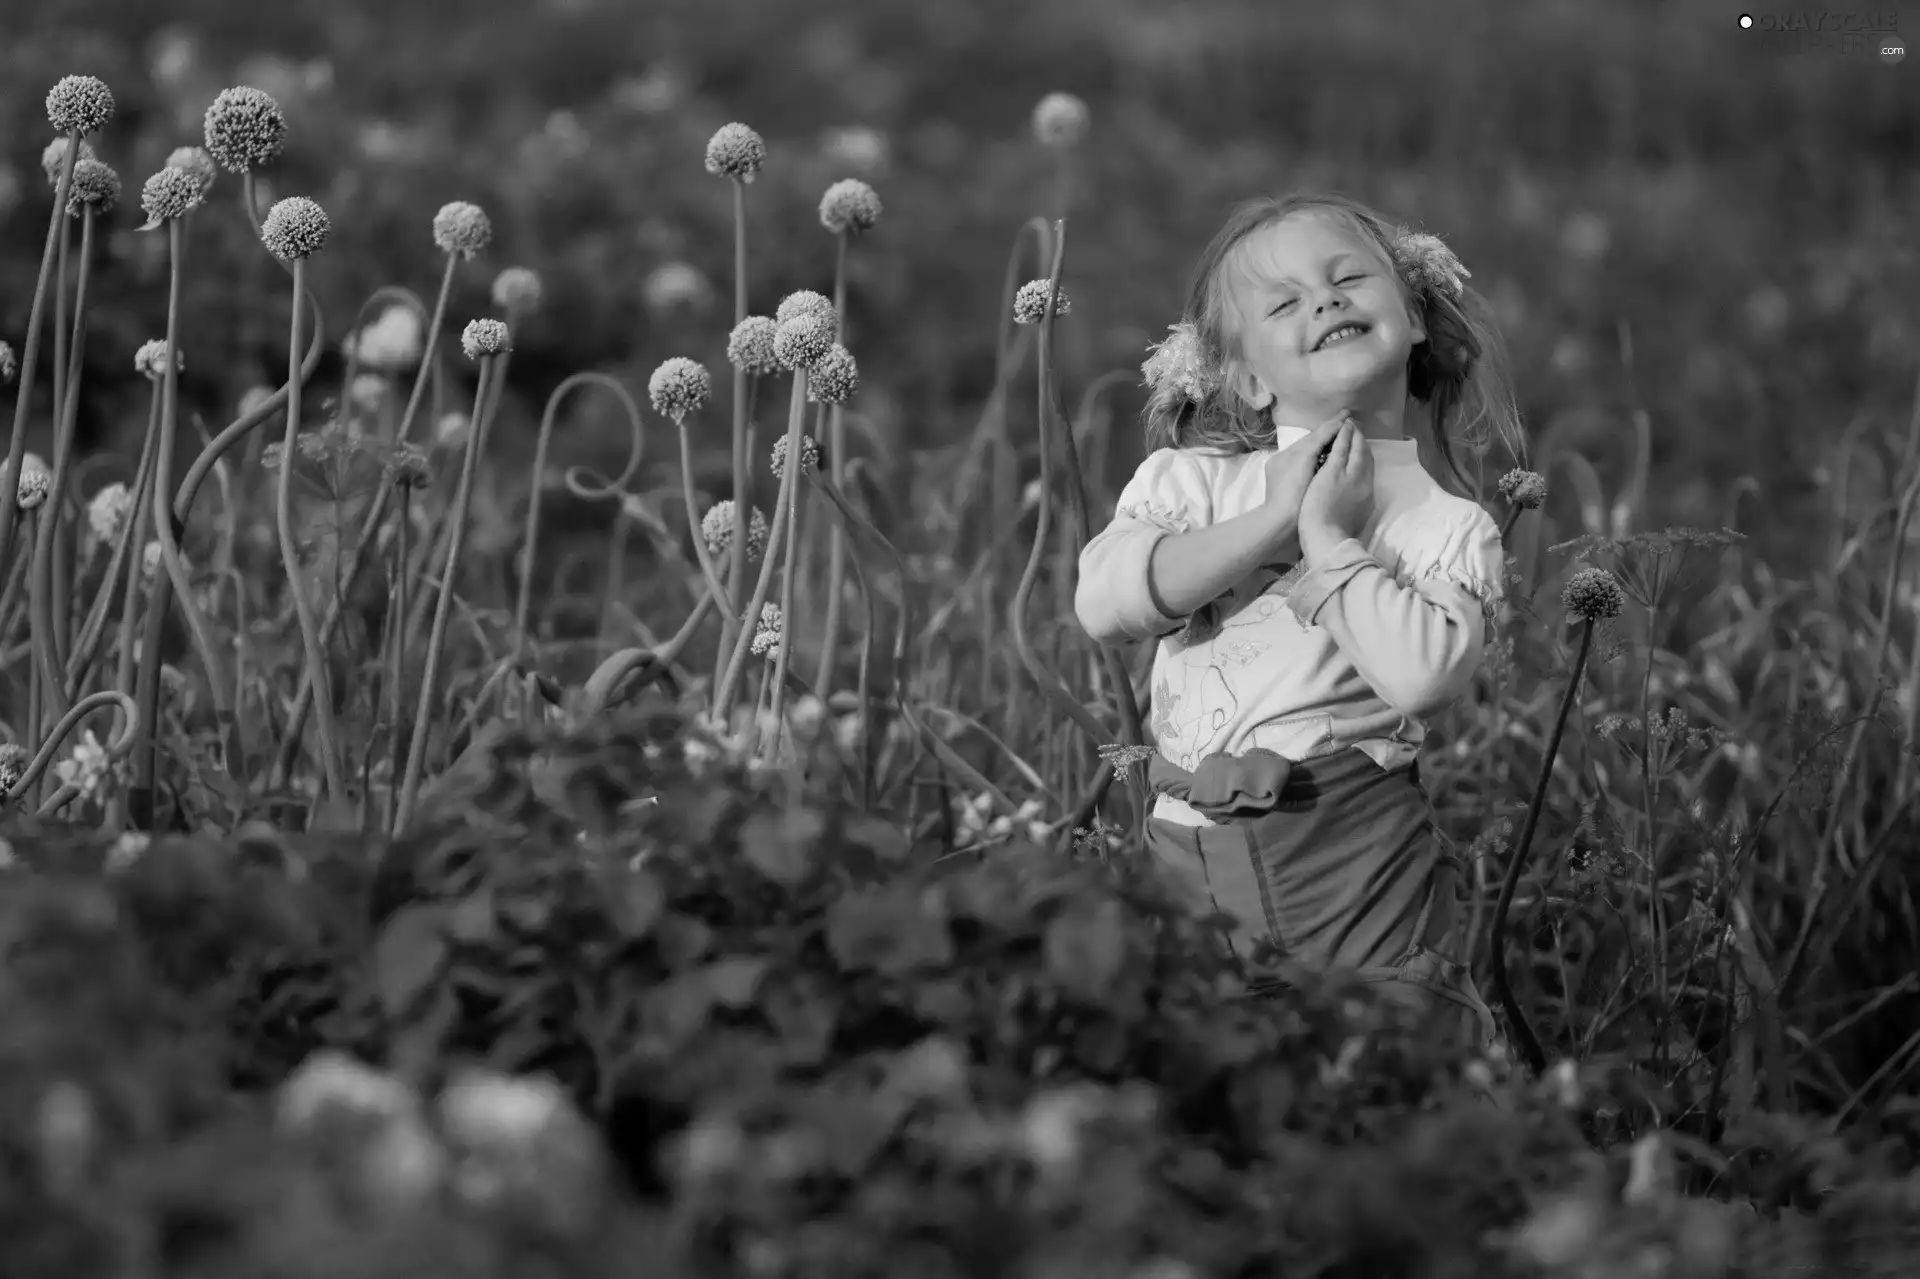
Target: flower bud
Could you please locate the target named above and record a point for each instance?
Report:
(245, 128)
(169, 194)
(79, 104)
(95, 186)
(679, 388)
(1060, 120)
(485, 337)
(295, 228)
(1030, 303)
(735, 151)
(849, 205)
(462, 228)
(750, 346)
(835, 379)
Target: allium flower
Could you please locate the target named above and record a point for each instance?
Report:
(13, 765)
(1030, 303)
(679, 388)
(107, 511)
(168, 194)
(676, 284)
(803, 341)
(485, 337)
(766, 636)
(245, 128)
(36, 481)
(86, 768)
(79, 104)
(1525, 489)
(393, 343)
(95, 185)
(9, 365)
(1593, 594)
(716, 529)
(809, 456)
(196, 162)
(735, 151)
(1428, 265)
(1182, 362)
(516, 290)
(462, 228)
(54, 158)
(295, 228)
(407, 468)
(804, 302)
(1060, 120)
(849, 205)
(150, 361)
(750, 346)
(835, 379)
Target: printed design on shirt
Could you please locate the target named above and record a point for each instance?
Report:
(1193, 700)
(1164, 518)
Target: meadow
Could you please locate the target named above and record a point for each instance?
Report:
(541, 717)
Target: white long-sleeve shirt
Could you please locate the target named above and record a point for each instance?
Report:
(1356, 652)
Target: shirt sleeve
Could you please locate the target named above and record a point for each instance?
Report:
(1417, 645)
(1114, 598)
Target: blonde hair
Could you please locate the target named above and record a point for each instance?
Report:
(1460, 372)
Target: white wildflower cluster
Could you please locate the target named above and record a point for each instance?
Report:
(86, 769)
(393, 343)
(979, 824)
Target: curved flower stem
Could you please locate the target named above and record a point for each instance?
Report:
(1502, 989)
(836, 444)
(30, 352)
(737, 662)
(396, 636)
(607, 678)
(117, 747)
(423, 713)
(784, 651)
(708, 569)
(317, 672)
(86, 646)
(742, 459)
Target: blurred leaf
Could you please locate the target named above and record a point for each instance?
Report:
(636, 902)
(409, 956)
(1086, 947)
(780, 845)
(887, 931)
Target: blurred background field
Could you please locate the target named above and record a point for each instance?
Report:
(1743, 216)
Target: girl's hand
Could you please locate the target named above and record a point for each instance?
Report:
(1339, 497)
(1292, 469)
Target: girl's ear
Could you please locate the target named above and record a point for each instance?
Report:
(1416, 319)
(1248, 386)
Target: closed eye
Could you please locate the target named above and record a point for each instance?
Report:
(1351, 278)
(1283, 306)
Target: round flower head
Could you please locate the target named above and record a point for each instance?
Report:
(150, 361)
(149, 561)
(79, 104)
(716, 529)
(849, 205)
(809, 456)
(13, 765)
(766, 636)
(485, 337)
(36, 481)
(194, 161)
(1030, 303)
(835, 379)
(516, 290)
(1428, 265)
(107, 511)
(462, 228)
(679, 388)
(1525, 489)
(169, 194)
(295, 228)
(1593, 594)
(9, 366)
(1060, 120)
(804, 302)
(750, 346)
(95, 186)
(803, 341)
(1182, 362)
(735, 151)
(245, 128)
(407, 468)
(54, 159)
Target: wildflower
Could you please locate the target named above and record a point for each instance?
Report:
(169, 194)
(150, 361)
(149, 561)
(750, 346)
(809, 456)
(716, 529)
(295, 228)
(13, 765)
(1592, 594)
(392, 343)
(330, 1080)
(462, 228)
(79, 104)
(804, 302)
(835, 379)
(9, 365)
(128, 849)
(1428, 265)
(849, 205)
(107, 511)
(36, 481)
(1616, 727)
(735, 151)
(679, 388)
(255, 397)
(498, 1110)
(516, 290)
(485, 337)
(245, 128)
(803, 341)
(1650, 564)
(675, 284)
(366, 392)
(86, 768)
(1524, 489)
(856, 147)
(406, 467)
(196, 163)
(1030, 303)
(54, 159)
(1182, 362)
(450, 429)
(1060, 120)
(766, 636)
(95, 186)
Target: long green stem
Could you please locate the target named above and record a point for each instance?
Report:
(397, 644)
(730, 618)
(784, 651)
(86, 647)
(837, 467)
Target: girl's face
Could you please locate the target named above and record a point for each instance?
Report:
(1322, 321)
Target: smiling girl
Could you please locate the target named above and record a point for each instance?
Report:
(1316, 593)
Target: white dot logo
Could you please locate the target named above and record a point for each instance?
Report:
(1746, 21)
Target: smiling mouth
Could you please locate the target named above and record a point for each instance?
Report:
(1344, 333)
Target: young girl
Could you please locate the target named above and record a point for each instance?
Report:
(1316, 594)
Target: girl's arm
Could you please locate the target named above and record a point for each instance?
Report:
(1416, 645)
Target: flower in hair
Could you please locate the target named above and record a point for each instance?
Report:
(1427, 264)
(1181, 361)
